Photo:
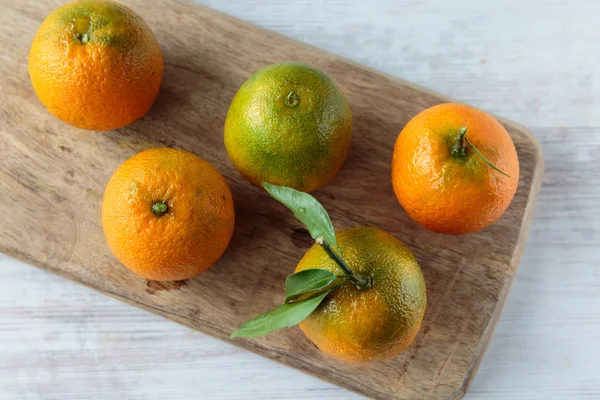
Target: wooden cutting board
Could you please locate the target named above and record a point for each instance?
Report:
(52, 178)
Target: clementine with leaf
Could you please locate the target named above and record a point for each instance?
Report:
(358, 294)
(455, 169)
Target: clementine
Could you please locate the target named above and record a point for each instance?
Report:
(374, 323)
(95, 64)
(455, 169)
(289, 124)
(167, 214)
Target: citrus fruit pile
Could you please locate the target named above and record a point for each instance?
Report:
(167, 214)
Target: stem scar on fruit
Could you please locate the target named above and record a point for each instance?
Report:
(160, 208)
(292, 99)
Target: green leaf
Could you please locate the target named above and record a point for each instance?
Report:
(307, 209)
(307, 281)
(284, 316)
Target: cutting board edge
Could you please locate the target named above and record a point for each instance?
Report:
(515, 262)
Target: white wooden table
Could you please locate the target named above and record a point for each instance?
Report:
(534, 61)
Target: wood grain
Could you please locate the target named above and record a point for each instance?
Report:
(53, 175)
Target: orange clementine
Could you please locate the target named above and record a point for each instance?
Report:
(167, 214)
(374, 323)
(441, 181)
(96, 65)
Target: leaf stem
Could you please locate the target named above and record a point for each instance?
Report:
(460, 149)
(488, 162)
(360, 283)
